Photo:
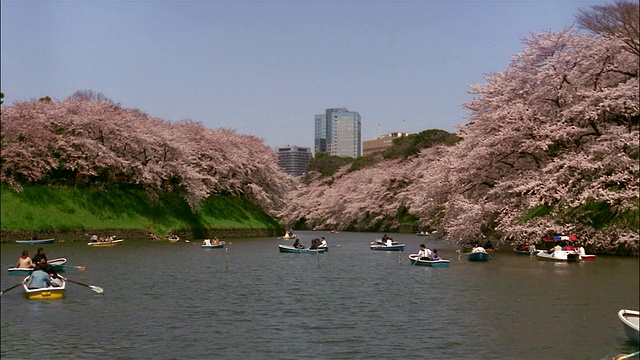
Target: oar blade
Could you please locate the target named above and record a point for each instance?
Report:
(97, 289)
(81, 268)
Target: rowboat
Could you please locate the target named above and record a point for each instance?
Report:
(36, 242)
(212, 246)
(559, 256)
(106, 243)
(588, 257)
(291, 249)
(478, 256)
(289, 236)
(433, 263)
(630, 320)
(381, 245)
(58, 266)
(422, 234)
(385, 247)
(47, 293)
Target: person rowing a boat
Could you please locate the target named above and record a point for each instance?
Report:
(25, 262)
(297, 244)
(424, 253)
(40, 278)
(38, 256)
(478, 248)
(434, 255)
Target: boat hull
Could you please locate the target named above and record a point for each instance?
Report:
(217, 246)
(478, 256)
(36, 242)
(562, 257)
(381, 247)
(631, 323)
(432, 263)
(48, 293)
(291, 249)
(106, 243)
(58, 266)
(293, 237)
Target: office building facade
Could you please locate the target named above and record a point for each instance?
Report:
(338, 132)
(293, 159)
(380, 143)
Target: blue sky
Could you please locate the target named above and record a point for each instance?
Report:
(265, 68)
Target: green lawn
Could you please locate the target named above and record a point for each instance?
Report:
(42, 208)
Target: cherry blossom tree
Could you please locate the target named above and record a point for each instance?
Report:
(552, 143)
(100, 141)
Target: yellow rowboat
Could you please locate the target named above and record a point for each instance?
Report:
(47, 293)
(106, 243)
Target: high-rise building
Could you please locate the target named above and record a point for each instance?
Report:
(338, 132)
(293, 159)
(380, 143)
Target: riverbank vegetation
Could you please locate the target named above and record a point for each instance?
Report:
(88, 142)
(45, 209)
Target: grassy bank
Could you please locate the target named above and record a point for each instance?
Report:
(39, 209)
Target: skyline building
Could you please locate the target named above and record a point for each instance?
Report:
(380, 143)
(293, 159)
(338, 132)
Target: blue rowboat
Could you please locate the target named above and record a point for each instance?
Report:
(291, 249)
(36, 242)
(478, 256)
(58, 266)
(212, 246)
(432, 263)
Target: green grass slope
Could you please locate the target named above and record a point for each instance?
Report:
(42, 208)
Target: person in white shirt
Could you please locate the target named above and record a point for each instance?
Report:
(424, 253)
(478, 248)
(581, 251)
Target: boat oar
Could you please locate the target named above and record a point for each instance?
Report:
(97, 289)
(79, 267)
(11, 288)
(626, 356)
(461, 255)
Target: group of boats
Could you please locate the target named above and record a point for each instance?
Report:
(46, 293)
(562, 251)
